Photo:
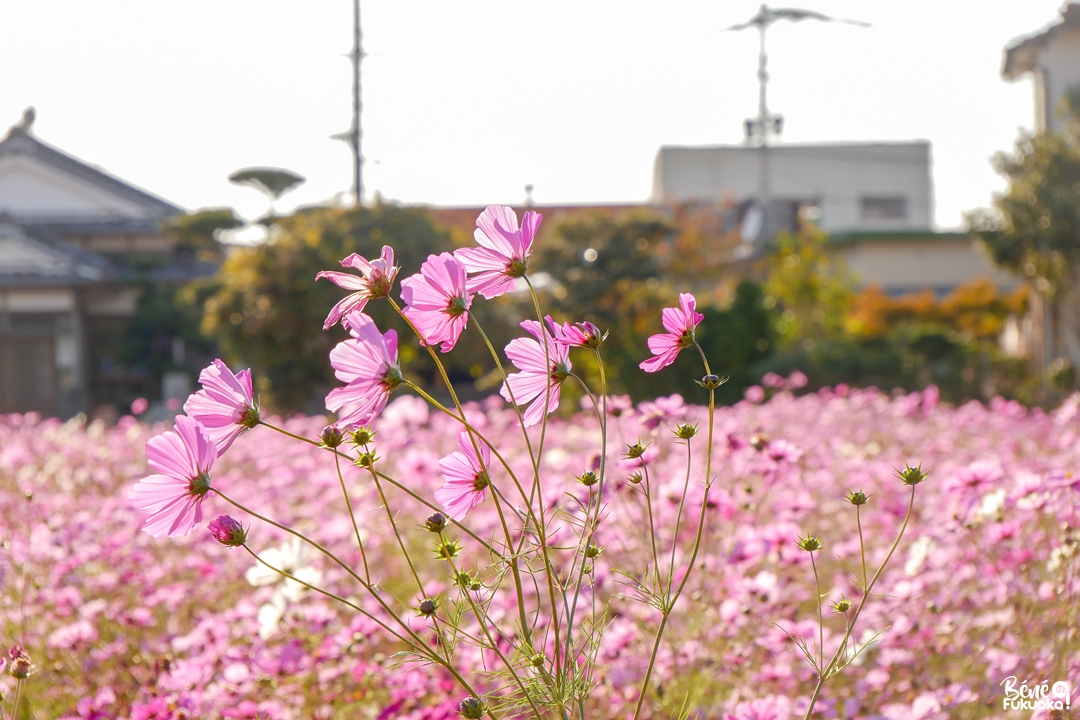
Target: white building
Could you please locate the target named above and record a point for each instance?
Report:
(78, 248)
(851, 187)
(1052, 58)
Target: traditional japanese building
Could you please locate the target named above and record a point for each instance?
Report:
(79, 249)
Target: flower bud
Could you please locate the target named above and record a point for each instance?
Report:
(842, 605)
(537, 660)
(809, 544)
(857, 498)
(366, 459)
(634, 479)
(228, 531)
(593, 336)
(912, 476)
(332, 436)
(636, 450)
(362, 436)
(427, 607)
(472, 708)
(588, 478)
(593, 551)
(711, 382)
(19, 666)
(436, 522)
(685, 431)
(447, 550)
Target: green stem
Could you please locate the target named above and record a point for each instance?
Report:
(352, 516)
(827, 672)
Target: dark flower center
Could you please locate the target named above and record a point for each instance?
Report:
(199, 485)
(457, 307)
(517, 268)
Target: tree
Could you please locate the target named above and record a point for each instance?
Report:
(1034, 227)
(266, 309)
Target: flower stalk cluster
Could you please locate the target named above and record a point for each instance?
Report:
(543, 555)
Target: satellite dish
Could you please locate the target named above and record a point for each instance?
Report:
(752, 222)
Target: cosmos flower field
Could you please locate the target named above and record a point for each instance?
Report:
(983, 587)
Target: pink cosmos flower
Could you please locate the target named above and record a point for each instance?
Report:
(466, 481)
(174, 497)
(225, 406)
(680, 323)
(582, 334)
(536, 380)
(503, 255)
(436, 300)
(368, 363)
(375, 280)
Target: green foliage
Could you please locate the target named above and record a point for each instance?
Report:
(1035, 229)
(197, 234)
(810, 290)
(266, 309)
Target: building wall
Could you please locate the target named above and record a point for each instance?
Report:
(1059, 59)
(839, 179)
(910, 265)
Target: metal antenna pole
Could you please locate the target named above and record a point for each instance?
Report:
(357, 56)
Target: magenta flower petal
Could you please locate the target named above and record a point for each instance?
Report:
(368, 364)
(680, 324)
(466, 480)
(540, 379)
(503, 255)
(437, 301)
(375, 280)
(174, 497)
(225, 406)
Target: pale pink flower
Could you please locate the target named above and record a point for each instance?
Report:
(503, 255)
(436, 301)
(582, 334)
(174, 496)
(466, 480)
(226, 404)
(368, 363)
(536, 379)
(374, 281)
(680, 323)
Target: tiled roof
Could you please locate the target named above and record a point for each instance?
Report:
(30, 257)
(19, 141)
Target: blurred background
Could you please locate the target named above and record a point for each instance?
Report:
(874, 194)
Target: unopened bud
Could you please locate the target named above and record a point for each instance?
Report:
(427, 607)
(685, 431)
(228, 531)
(593, 551)
(362, 436)
(842, 605)
(857, 498)
(711, 382)
(332, 436)
(366, 459)
(636, 450)
(436, 522)
(588, 478)
(447, 550)
(809, 544)
(912, 476)
(472, 708)
(634, 479)
(19, 666)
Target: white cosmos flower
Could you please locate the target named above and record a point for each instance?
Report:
(291, 558)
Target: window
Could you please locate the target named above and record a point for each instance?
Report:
(883, 208)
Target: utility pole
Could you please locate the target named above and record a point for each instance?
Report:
(760, 129)
(352, 136)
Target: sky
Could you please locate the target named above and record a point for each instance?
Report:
(467, 101)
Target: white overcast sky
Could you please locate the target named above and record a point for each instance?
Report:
(465, 102)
